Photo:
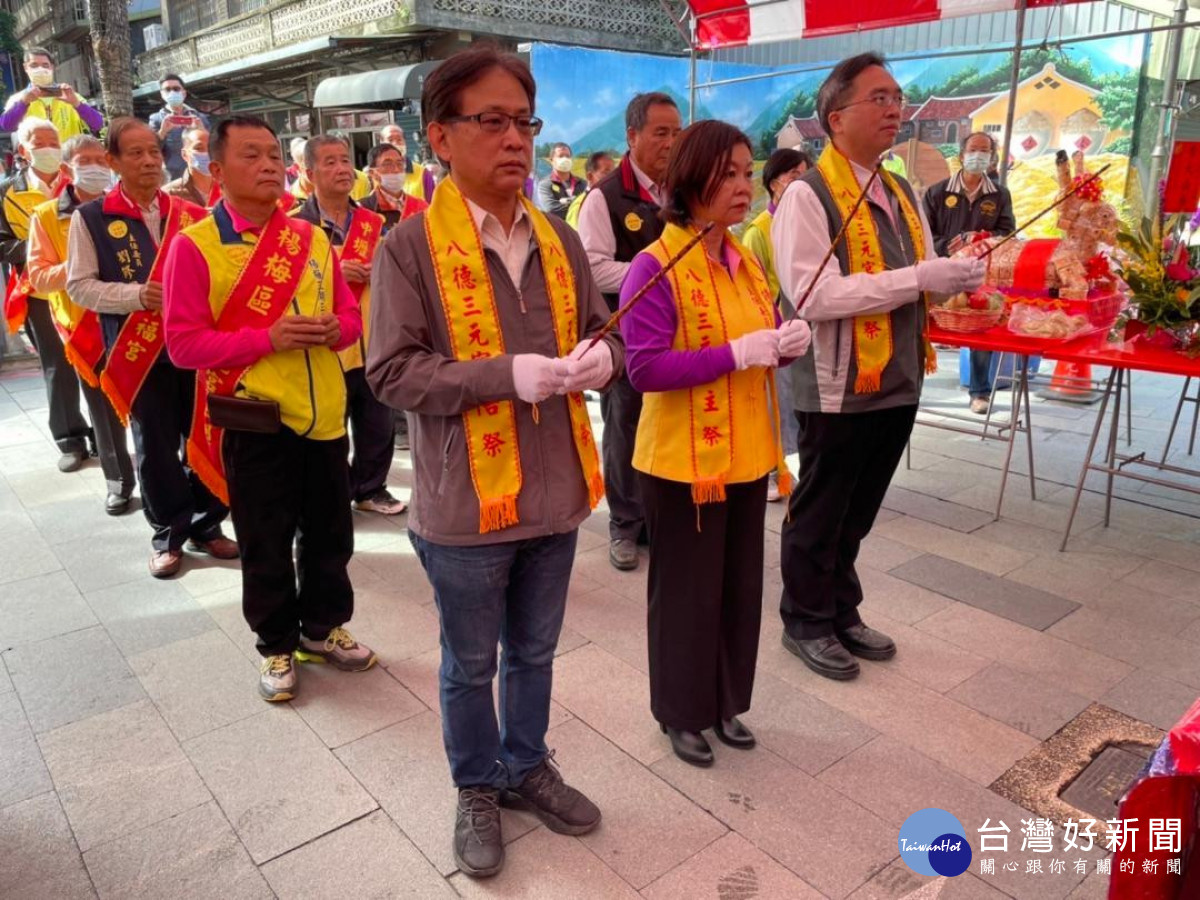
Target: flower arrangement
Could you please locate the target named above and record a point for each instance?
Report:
(1163, 275)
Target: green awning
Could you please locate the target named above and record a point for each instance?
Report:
(379, 88)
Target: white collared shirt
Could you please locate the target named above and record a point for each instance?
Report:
(596, 233)
(513, 247)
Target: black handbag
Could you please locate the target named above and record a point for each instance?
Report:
(241, 414)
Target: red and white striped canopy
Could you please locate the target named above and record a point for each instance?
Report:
(730, 23)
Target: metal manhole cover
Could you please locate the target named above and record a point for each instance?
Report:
(1099, 787)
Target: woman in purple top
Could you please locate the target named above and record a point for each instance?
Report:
(702, 345)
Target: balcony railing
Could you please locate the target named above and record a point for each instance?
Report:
(72, 18)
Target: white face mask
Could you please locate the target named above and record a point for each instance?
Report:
(91, 179)
(45, 159)
(562, 164)
(392, 182)
(41, 76)
(174, 99)
(977, 161)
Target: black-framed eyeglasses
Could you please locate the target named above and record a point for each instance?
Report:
(883, 101)
(498, 122)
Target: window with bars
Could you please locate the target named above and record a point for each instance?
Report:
(190, 16)
(238, 7)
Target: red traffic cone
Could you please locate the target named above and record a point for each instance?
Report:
(1071, 382)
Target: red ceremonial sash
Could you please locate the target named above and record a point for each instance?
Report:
(361, 241)
(1029, 274)
(16, 300)
(141, 338)
(84, 346)
(257, 299)
(214, 194)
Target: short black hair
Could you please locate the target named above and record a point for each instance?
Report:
(378, 150)
(559, 146)
(836, 88)
(442, 91)
(31, 52)
(220, 133)
(171, 76)
(638, 110)
(783, 160)
(316, 142)
(592, 163)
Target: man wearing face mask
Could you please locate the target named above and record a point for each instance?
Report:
(173, 120)
(960, 207)
(44, 99)
(558, 190)
(385, 168)
(42, 179)
(419, 181)
(70, 342)
(196, 184)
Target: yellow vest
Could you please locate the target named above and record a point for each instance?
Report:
(66, 312)
(664, 442)
(61, 114)
(18, 207)
(354, 356)
(757, 239)
(414, 183)
(308, 385)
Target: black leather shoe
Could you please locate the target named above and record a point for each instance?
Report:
(478, 845)
(562, 808)
(690, 746)
(824, 655)
(734, 733)
(116, 504)
(867, 642)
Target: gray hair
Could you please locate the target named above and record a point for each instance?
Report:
(30, 125)
(80, 142)
(836, 88)
(314, 145)
(638, 110)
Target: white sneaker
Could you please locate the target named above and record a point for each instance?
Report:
(383, 503)
(339, 649)
(278, 679)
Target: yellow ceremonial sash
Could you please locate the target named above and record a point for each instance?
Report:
(712, 310)
(872, 333)
(473, 322)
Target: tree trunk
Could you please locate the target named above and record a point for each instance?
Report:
(110, 41)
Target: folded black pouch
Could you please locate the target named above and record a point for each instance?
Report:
(240, 414)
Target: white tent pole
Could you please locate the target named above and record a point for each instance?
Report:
(1012, 93)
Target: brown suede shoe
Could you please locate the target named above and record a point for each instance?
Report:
(219, 547)
(562, 808)
(166, 563)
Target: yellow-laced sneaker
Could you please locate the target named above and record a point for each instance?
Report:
(339, 649)
(278, 678)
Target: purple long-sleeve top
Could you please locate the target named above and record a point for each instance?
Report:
(12, 116)
(649, 330)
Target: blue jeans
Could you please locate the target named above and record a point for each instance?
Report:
(512, 594)
(983, 370)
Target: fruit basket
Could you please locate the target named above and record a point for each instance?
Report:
(966, 320)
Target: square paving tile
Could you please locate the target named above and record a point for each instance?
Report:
(732, 869)
(145, 614)
(22, 772)
(393, 626)
(383, 861)
(932, 509)
(119, 771)
(41, 607)
(832, 843)
(344, 706)
(947, 543)
(882, 553)
(648, 827)
(40, 858)
(107, 558)
(404, 767)
(1022, 701)
(26, 558)
(1016, 602)
(929, 661)
(901, 601)
(543, 864)
(193, 855)
(1149, 697)
(1138, 644)
(70, 677)
(612, 621)
(899, 882)
(200, 683)
(276, 781)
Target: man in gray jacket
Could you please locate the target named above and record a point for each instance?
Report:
(856, 393)
(483, 308)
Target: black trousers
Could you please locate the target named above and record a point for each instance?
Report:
(177, 504)
(373, 436)
(846, 464)
(283, 489)
(71, 432)
(705, 591)
(621, 407)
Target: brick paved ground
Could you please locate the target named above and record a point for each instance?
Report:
(137, 761)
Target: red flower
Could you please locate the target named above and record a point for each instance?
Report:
(1180, 271)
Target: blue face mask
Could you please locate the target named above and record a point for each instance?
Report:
(174, 99)
(200, 162)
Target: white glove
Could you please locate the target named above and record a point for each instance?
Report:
(794, 338)
(590, 372)
(758, 348)
(536, 377)
(950, 276)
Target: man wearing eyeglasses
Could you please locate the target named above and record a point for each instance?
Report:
(855, 394)
(483, 339)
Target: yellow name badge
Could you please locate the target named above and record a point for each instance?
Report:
(633, 222)
(951, 201)
(988, 207)
(118, 229)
